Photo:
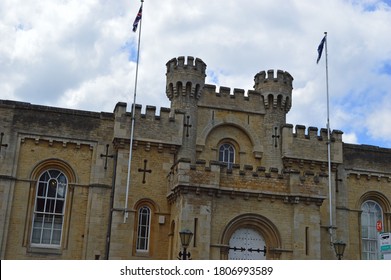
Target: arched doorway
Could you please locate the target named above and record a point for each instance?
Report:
(247, 244)
(254, 237)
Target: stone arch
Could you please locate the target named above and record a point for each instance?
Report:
(259, 223)
(54, 163)
(179, 88)
(280, 101)
(368, 240)
(384, 203)
(188, 88)
(270, 101)
(197, 91)
(250, 133)
(36, 172)
(377, 197)
(148, 202)
(288, 104)
(152, 226)
(170, 91)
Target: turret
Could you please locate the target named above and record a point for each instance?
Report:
(185, 80)
(277, 98)
(277, 91)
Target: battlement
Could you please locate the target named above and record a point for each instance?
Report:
(165, 127)
(184, 78)
(309, 144)
(150, 112)
(312, 133)
(214, 178)
(282, 79)
(180, 63)
(276, 90)
(231, 93)
(231, 99)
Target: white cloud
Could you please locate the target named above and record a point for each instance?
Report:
(350, 138)
(76, 54)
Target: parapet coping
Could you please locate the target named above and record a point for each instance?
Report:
(34, 107)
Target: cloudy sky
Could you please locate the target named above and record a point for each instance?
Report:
(82, 54)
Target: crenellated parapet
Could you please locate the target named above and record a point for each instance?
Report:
(181, 65)
(282, 81)
(231, 99)
(246, 182)
(276, 89)
(309, 144)
(185, 77)
(165, 127)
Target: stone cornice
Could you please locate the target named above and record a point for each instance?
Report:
(244, 194)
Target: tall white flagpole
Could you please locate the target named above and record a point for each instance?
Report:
(329, 144)
(133, 117)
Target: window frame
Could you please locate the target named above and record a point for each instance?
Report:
(224, 157)
(369, 243)
(50, 208)
(143, 229)
(36, 172)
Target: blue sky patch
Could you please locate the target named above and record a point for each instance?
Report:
(385, 68)
(130, 48)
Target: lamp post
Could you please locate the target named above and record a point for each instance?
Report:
(339, 248)
(186, 236)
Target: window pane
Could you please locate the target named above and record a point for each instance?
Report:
(56, 237)
(61, 191)
(49, 206)
(365, 232)
(46, 236)
(41, 189)
(54, 173)
(59, 206)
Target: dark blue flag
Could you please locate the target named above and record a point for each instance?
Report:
(320, 48)
(137, 19)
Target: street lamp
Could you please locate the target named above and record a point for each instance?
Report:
(339, 248)
(186, 236)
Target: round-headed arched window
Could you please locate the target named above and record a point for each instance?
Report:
(227, 154)
(143, 229)
(49, 209)
(371, 214)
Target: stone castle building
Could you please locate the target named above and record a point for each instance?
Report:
(223, 164)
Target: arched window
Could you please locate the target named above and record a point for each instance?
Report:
(371, 214)
(227, 154)
(143, 229)
(49, 209)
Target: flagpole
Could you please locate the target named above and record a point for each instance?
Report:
(329, 144)
(132, 123)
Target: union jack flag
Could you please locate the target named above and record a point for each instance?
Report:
(137, 19)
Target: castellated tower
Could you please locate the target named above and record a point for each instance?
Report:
(184, 83)
(276, 91)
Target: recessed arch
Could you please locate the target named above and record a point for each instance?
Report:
(230, 121)
(188, 88)
(47, 174)
(378, 197)
(147, 202)
(54, 163)
(145, 211)
(259, 223)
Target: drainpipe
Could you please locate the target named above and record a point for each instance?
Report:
(110, 222)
